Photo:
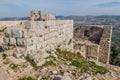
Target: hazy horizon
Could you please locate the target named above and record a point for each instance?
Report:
(20, 8)
(62, 15)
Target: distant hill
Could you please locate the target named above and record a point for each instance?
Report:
(104, 20)
(15, 19)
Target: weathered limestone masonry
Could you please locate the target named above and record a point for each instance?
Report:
(3, 26)
(38, 15)
(105, 45)
(35, 35)
(43, 33)
(93, 42)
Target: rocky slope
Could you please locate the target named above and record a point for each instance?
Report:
(59, 65)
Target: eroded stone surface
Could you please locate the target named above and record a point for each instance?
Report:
(93, 42)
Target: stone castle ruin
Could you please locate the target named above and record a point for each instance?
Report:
(39, 16)
(43, 33)
(94, 42)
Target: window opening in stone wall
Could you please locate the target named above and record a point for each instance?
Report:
(86, 33)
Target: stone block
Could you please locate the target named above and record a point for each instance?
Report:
(46, 37)
(34, 40)
(21, 42)
(53, 47)
(37, 59)
(42, 53)
(39, 32)
(25, 34)
(52, 34)
(53, 28)
(34, 25)
(29, 42)
(57, 77)
(47, 42)
(50, 17)
(35, 32)
(41, 38)
(31, 33)
(16, 33)
(32, 47)
(6, 40)
(2, 28)
(15, 60)
(17, 55)
(40, 45)
(48, 47)
(40, 61)
(41, 24)
(8, 33)
(27, 25)
(46, 29)
(12, 41)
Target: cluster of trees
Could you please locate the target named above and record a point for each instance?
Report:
(115, 56)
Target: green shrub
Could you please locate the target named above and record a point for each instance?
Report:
(100, 69)
(31, 61)
(45, 78)
(76, 63)
(80, 65)
(4, 56)
(6, 62)
(46, 27)
(58, 50)
(28, 78)
(13, 66)
(80, 62)
(97, 68)
(48, 63)
(1, 49)
(115, 56)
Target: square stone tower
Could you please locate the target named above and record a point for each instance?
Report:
(93, 42)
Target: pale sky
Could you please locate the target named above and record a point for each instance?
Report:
(19, 8)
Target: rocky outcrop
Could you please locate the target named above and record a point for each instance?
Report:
(39, 16)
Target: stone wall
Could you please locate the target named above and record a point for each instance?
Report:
(105, 45)
(90, 33)
(39, 35)
(92, 51)
(96, 41)
(93, 42)
(4, 25)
